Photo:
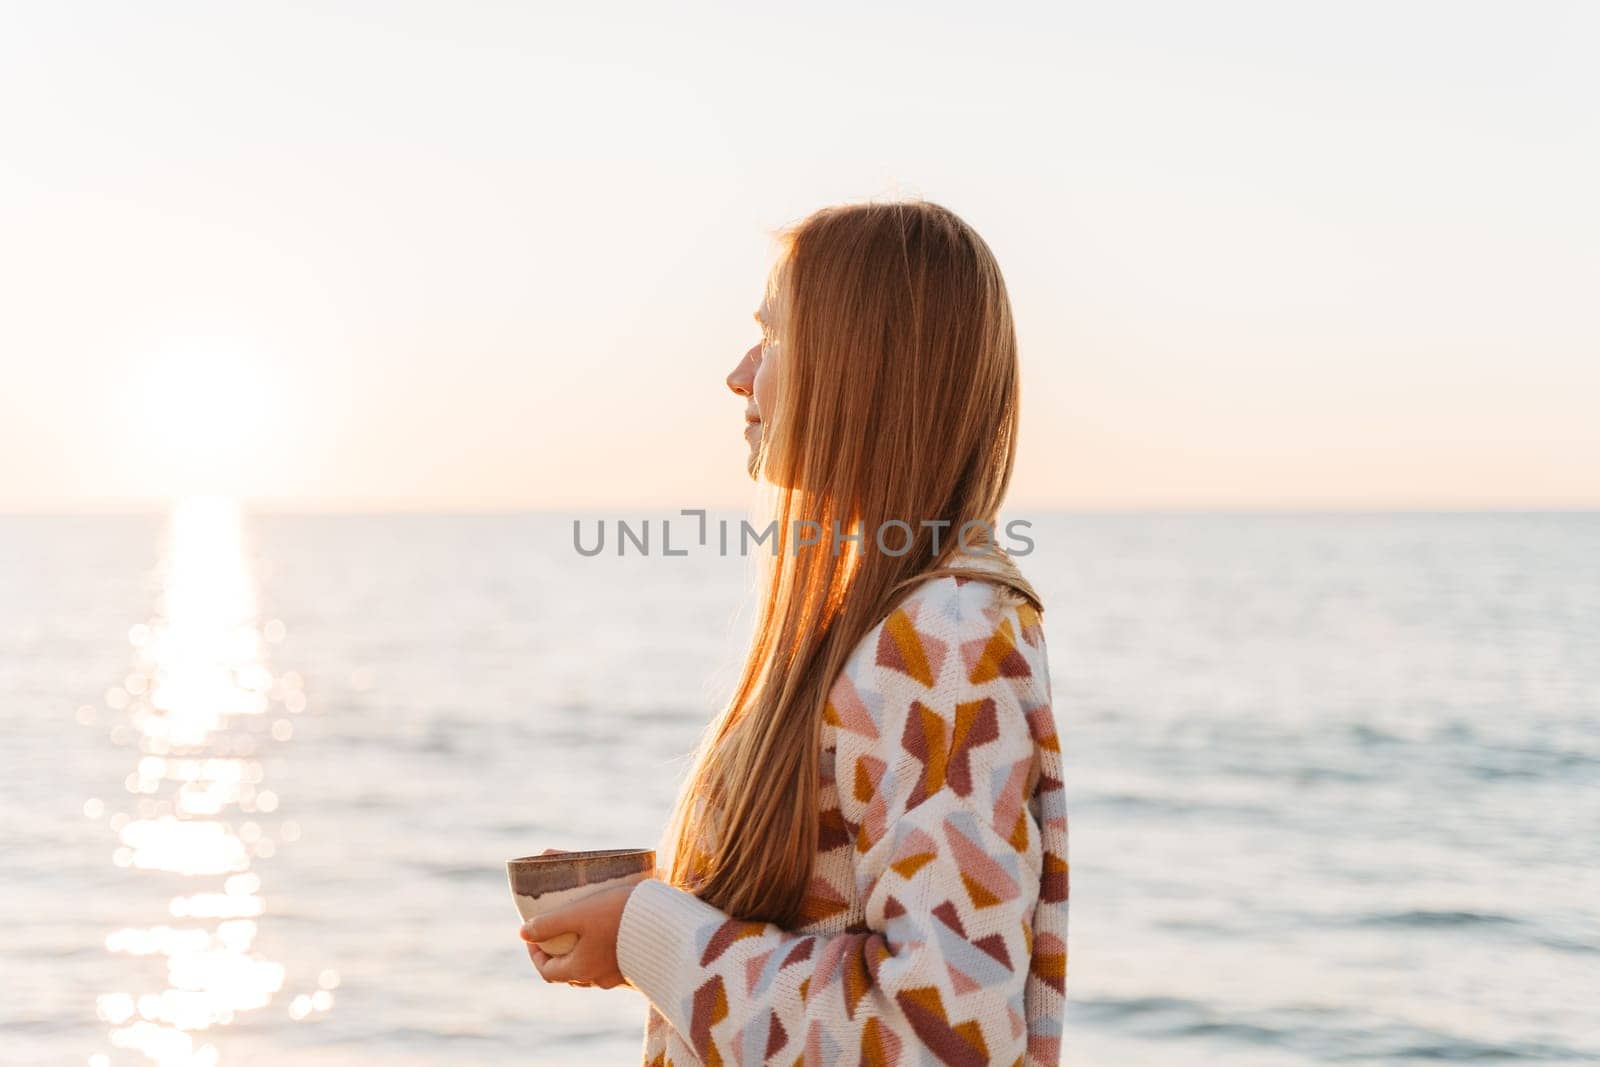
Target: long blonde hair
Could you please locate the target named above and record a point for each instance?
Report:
(897, 411)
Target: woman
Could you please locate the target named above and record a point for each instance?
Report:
(868, 860)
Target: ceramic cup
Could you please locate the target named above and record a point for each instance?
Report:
(544, 883)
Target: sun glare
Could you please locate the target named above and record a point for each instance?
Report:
(203, 414)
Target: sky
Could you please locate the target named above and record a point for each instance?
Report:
(499, 256)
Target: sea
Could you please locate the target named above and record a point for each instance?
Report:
(1333, 778)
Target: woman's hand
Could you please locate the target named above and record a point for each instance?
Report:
(594, 918)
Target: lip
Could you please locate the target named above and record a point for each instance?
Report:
(751, 424)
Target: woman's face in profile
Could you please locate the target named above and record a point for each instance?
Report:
(755, 378)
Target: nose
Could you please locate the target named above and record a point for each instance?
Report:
(742, 378)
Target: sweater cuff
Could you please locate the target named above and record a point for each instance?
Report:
(654, 941)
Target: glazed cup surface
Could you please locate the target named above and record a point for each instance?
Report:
(542, 883)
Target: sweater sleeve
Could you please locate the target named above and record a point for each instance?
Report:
(935, 765)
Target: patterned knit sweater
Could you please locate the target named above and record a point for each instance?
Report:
(934, 930)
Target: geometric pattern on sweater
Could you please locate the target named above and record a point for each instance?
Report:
(934, 929)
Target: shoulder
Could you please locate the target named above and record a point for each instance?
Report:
(952, 687)
(951, 636)
(968, 610)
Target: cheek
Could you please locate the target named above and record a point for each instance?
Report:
(765, 387)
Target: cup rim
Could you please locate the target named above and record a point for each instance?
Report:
(580, 855)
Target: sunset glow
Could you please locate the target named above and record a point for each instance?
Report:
(1276, 256)
(205, 415)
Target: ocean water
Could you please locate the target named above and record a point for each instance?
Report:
(1333, 780)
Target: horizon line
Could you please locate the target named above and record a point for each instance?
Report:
(648, 510)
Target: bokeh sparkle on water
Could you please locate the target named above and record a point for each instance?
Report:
(197, 709)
